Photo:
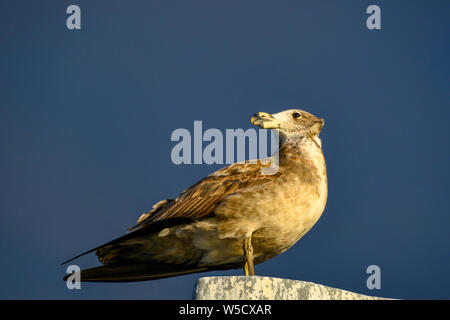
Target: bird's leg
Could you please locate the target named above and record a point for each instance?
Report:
(249, 268)
(246, 268)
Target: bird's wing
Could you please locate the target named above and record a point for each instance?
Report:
(196, 202)
(200, 200)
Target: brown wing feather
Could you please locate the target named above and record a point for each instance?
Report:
(200, 200)
(196, 202)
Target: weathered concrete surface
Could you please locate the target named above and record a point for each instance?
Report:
(267, 288)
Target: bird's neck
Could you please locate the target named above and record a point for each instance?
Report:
(302, 143)
(294, 148)
(302, 154)
(304, 147)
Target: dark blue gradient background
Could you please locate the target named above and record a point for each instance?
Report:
(86, 118)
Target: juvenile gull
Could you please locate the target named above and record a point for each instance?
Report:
(236, 217)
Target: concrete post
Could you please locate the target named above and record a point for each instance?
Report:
(267, 288)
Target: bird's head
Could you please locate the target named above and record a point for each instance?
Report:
(289, 123)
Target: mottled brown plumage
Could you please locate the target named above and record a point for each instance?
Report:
(205, 228)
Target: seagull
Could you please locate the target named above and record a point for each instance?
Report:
(236, 217)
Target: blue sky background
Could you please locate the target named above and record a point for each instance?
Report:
(86, 118)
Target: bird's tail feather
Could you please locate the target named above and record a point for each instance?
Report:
(136, 272)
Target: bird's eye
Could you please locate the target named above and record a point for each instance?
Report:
(296, 115)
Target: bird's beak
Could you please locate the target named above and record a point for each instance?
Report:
(265, 120)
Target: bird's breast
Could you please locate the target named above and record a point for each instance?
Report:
(296, 203)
